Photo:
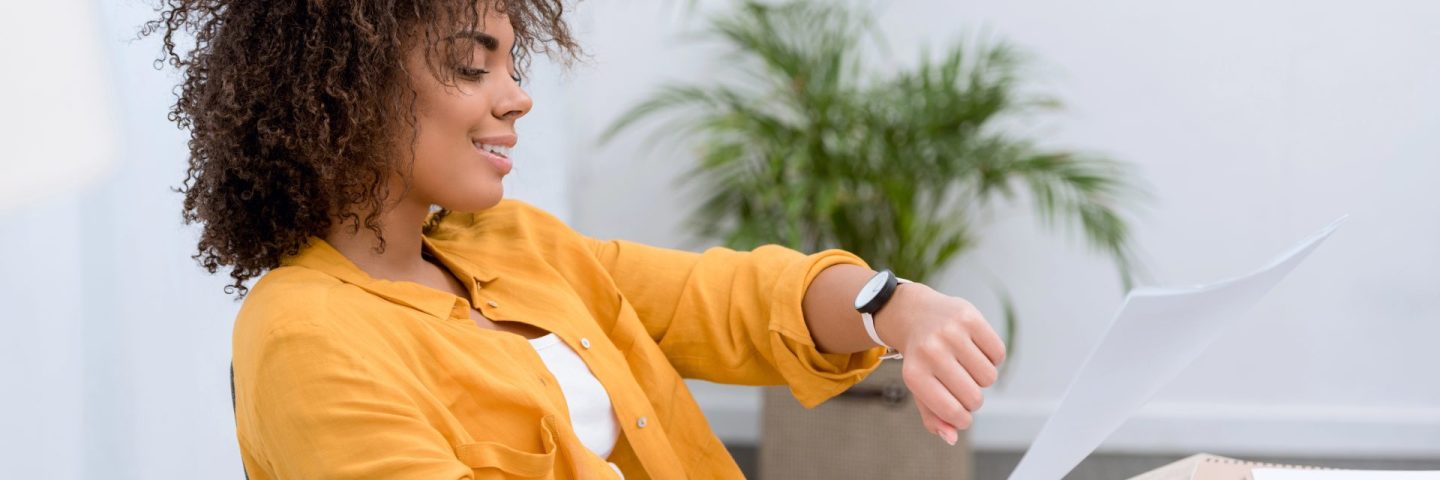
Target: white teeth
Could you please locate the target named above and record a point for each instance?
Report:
(495, 149)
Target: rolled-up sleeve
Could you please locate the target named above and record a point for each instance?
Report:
(733, 316)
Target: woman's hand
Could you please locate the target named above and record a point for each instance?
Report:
(951, 353)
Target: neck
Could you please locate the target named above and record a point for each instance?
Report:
(402, 225)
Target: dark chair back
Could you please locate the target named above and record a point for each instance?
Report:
(232, 411)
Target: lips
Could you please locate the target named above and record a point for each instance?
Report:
(497, 150)
(500, 150)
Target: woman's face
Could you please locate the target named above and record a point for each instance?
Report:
(464, 131)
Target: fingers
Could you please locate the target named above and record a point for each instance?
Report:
(935, 425)
(960, 384)
(932, 394)
(976, 363)
(985, 337)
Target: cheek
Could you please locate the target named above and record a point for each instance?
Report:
(442, 150)
(447, 169)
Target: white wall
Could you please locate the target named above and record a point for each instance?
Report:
(115, 348)
(1254, 123)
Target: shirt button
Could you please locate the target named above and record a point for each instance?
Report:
(492, 304)
(585, 342)
(641, 422)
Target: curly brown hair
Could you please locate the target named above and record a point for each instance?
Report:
(292, 107)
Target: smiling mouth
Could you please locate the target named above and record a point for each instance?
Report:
(499, 150)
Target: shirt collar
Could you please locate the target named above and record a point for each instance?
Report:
(317, 254)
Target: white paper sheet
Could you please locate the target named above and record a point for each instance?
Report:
(1279, 474)
(1155, 335)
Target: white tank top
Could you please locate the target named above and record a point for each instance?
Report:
(591, 412)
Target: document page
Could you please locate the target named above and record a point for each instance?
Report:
(1155, 335)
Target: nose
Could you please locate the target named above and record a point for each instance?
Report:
(512, 101)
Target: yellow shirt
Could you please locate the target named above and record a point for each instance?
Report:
(339, 375)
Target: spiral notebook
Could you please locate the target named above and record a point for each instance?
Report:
(1215, 467)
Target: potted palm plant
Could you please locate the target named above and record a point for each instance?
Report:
(810, 149)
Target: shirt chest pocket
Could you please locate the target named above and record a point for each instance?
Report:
(526, 462)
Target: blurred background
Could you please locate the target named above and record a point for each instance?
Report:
(1246, 124)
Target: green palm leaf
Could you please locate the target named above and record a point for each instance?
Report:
(812, 151)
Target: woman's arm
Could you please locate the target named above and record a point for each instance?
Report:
(830, 309)
(951, 352)
(734, 317)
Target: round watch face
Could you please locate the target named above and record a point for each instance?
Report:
(870, 289)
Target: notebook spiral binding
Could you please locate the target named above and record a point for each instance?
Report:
(1253, 465)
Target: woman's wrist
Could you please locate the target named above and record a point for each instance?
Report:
(829, 306)
(892, 322)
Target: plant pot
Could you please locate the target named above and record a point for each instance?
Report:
(872, 430)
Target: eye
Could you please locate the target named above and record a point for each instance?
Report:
(471, 72)
(517, 78)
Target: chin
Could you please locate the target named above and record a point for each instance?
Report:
(475, 202)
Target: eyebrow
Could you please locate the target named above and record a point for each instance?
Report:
(488, 41)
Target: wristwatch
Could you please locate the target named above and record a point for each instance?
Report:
(874, 296)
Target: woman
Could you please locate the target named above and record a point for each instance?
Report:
(485, 339)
